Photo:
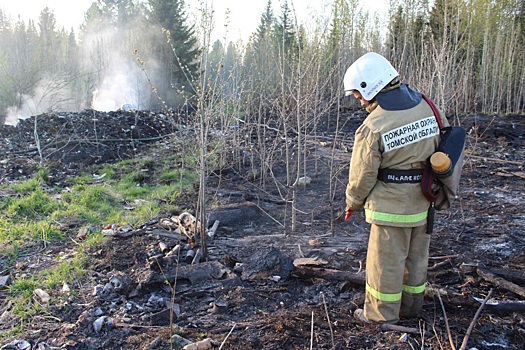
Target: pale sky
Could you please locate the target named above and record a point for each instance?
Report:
(244, 15)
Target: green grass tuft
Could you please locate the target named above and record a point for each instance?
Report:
(35, 205)
(132, 192)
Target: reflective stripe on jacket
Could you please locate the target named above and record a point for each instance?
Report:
(401, 139)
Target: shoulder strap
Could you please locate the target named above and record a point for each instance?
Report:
(434, 109)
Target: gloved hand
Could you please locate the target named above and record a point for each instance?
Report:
(348, 213)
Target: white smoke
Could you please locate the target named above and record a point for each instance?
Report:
(122, 80)
(51, 94)
(110, 78)
(120, 87)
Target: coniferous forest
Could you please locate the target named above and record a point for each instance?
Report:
(467, 54)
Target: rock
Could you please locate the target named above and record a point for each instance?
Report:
(179, 341)
(97, 289)
(82, 233)
(45, 346)
(204, 344)
(98, 312)
(18, 345)
(155, 301)
(42, 295)
(66, 289)
(303, 181)
(274, 278)
(219, 307)
(99, 323)
(4, 280)
(121, 283)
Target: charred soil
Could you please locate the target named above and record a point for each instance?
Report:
(262, 284)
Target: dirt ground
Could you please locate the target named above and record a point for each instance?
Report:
(264, 286)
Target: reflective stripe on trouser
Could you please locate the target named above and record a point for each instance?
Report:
(396, 270)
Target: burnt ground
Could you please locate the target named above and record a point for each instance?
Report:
(249, 294)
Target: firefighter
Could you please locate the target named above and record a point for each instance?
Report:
(390, 150)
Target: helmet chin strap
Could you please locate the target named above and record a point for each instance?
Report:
(394, 84)
(373, 105)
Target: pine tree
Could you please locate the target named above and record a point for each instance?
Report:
(231, 64)
(48, 41)
(396, 34)
(182, 60)
(94, 20)
(343, 28)
(21, 68)
(284, 33)
(215, 62)
(263, 31)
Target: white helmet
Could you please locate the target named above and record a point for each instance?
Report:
(369, 75)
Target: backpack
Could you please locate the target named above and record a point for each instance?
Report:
(439, 190)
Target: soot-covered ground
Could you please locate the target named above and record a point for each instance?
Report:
(264, 285)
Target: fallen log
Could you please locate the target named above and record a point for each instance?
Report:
(205, 272)
(456, 299)
(451, 298)
(516, 276)
(503, 306)
(309, 262)
(396, 328)
(501, 282)
(173, 235)
(306, 272)
(507, 173)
